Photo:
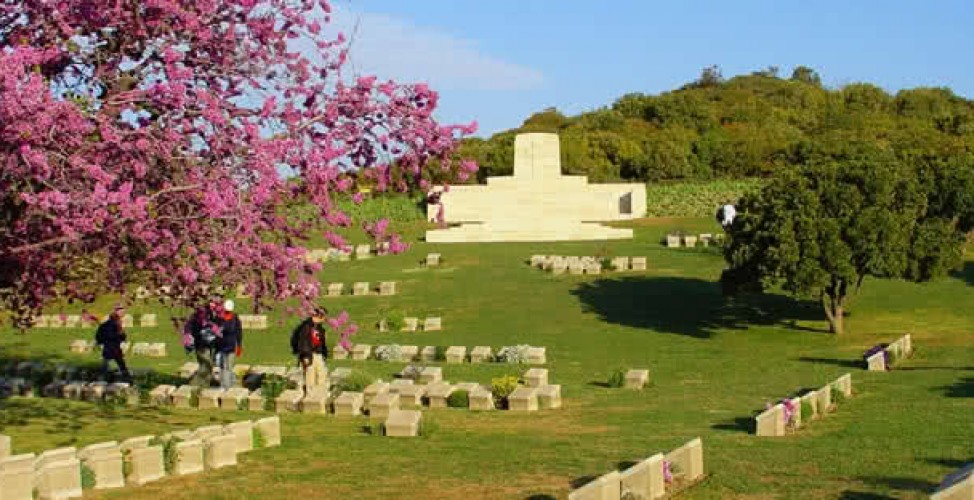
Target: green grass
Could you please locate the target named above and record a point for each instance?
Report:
(711, 365)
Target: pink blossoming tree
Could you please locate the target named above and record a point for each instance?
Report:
(146, 139)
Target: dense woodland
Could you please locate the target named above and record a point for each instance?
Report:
(745, 126)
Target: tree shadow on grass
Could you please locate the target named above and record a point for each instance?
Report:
(966, 273)
(900, 483)
(739, 424)
(844, 363)
(688, 306)
(580, 481)
(860, 495)
(949, 462)
(963, 388)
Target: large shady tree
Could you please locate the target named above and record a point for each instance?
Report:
(147, 139)
(849, 211)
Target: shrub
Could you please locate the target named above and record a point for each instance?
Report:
(806, 410)
(837, 395)
(440, 353)
(259, 441)
(502, 387)
(512, 354)
(194, 397)
(356, 381)
(87, 477)
(392, 352)
(458, 399)
(617, 378)
(412, 372)
(170, 454)
(270, 388)
(606, 263)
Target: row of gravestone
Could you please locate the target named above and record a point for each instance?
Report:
(655, 477)
(557, 264)
(248, 321)
(64, 472)
(790, 414)
(534, 393)
(885, 356)
(452, 355)
(147, 349)
(340, 254)
(412, 324)
(361, 289)
(691, 240)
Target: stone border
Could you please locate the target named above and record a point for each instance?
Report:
(361, 289)
(654, 477)
(578, 265)
(899, 349)
(674, 240)
(776, 420)
(450, 354)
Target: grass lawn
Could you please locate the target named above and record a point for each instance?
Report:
(712, 365)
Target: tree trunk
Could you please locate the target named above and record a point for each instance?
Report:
(833, 301)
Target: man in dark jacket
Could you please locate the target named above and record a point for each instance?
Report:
(204, 327)
(308, 344)
(110, 335)
(230, 346)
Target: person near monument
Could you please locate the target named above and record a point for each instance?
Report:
(725, 215)
(204, 328)
(230, 346)
(434, 198)
(110, 336)
(308, 343)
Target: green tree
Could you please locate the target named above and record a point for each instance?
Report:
(806, 75)
(847, 212)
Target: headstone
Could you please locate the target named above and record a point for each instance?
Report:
(536, 356)
(207, 431)
(409, 352)
(456, 354)
(810, 398)
(603, 488)
(825, 400)
(431, 374)
(56, 321)
(427, 354)
(94, 391)
(372, 391)
(559, 267)
(387, 288)
(55, 455)
(908, 344)
(639, 263)
(61, 479)
(523, 399)
(4, 446)
(635, 480)
(161, 394)
(382, 404)
(270, 428)
(128, 321)
(536, 377)
(234, 398)
(481, 354)
(538, 260)
(620, 263)
(549, 397)
(958, 485)
(844, 383)
(411, 395)
(255, 401)
(363, 252)
(41, 321)
(771, 422)
(339, 352)
(349, 403)
(796, 413)
(481, 400)
(78, 346)
(433, 259)
(243, 435)
(706, 239)
(148, 321)
(105, 461)
(73, 390)
(403, 423)
(576, 268)
(72, 321)
(335, 289)
(689, 240)
(637, 379)
(210, 398)
(289, 400)
(146, 465)
(876, 362)
(360, 288)
(219, 451)
(189, 457)
(432, 324)
(361, 352)
(688, 459)
(17, 477)
(338, 375)
(410, 324)
(188, 369)
(437, 394)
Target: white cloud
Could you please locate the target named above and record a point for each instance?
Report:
(391, 48)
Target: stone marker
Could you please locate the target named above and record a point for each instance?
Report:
(481, 354)
(398, 383)
(437, 394)
(771, 422)
(189, 457)
(602, 488)
(315, 402)
(219, 451)
(536, 377)
(656, 486)
(360, 288)
(207, 431)
(908, 344)
(637, 379)
(672, 241)
(363, 252)
(210, 398)
(620, 263)
(233, 398)
(689, 459)
(335, 289)
(796, 416)
(536, 356)
(243, 434)
(55, 321)
(148, 321)
(270, 429)
(825, 400)
(481, 399)
(639, 263)
(410, 324)
(339, 352)
(456, 354)
(255, 401)
(161, 394)
(188, 369)
(811, 398)
(876, 362)
(409, 352)
(411, 395)
(432, 324)
(427, 354)
(706, 239)
(958, 485)
(55, 455)
(72, 321)
(403, 423)
(387, 288)
(17, 477)
(361, 352)
(289, 400)
(523, 399)
(78, 346)
(431, 374)
(105, 461)
(61, 479)
(844, 383)
(537, 260)
(349, 403)
(549, 397)
(181, 396)
(94, 391)
(374, 389)
(433, 259)
(146, 464)
(338, 375)
(382, 404)
(634, 481)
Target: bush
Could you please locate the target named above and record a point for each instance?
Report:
(392, 352)
(458, 399)
(87, 477)
(259, 441)
(617, 378)
(411, 372)
(356, 381)
(806, 410)
(502, 387)
(170, 454)
(512, 354)
(270, 388)
(837, 395)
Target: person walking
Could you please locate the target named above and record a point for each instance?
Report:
(204, 329)
(230, 345)
(110, 336)
(308, 343)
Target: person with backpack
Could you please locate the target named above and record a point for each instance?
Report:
(204, 329)
(308, 343)
(230, 345)
(110, 336)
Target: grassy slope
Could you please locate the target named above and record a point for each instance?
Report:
(711, 367)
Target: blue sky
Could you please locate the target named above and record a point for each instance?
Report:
(498, 61)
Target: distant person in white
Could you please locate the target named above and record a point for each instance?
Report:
(725, 215)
